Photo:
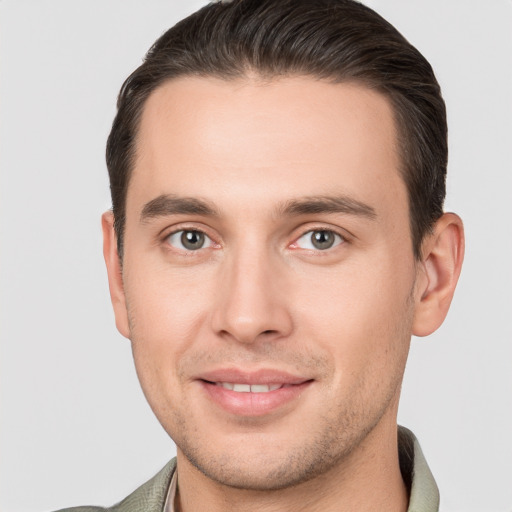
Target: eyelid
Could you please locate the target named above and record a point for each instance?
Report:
(343, 234)
(186, 226)
(176, 238)
(166, 233)
(338, 232)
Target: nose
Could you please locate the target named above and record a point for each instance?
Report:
(252, 304)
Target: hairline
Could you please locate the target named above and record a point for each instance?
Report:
(252, 75)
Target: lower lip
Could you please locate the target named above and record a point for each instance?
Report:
(253, 404)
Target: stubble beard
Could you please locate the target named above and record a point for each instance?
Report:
(331, 447)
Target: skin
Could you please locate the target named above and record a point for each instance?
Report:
(259, 296)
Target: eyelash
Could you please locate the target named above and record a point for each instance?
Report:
(340, 239)
(184, 230)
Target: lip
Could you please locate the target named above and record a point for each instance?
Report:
(253, 404)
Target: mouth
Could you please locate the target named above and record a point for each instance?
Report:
(254, 393)
(250, 388)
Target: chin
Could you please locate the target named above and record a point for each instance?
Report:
(266, 466)
(259, 476)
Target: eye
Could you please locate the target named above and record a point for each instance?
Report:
(319, 239)
(189, 240)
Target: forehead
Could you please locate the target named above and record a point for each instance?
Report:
(239, 138)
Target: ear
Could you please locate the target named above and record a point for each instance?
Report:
(442, 256)
(115, 275)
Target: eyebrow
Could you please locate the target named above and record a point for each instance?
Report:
(169, 204)
(327, 204)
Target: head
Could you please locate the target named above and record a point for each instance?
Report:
(338, 41)
(277, 173)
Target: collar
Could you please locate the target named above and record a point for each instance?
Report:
(171, 494)
(424, 494)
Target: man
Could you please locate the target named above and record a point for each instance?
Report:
(277, 235)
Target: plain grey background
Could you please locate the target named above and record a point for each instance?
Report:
(75, 428)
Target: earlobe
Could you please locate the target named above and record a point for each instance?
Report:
(443, 253)
(115, 276)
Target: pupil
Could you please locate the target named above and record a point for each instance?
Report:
(192, 240)
(322, 239)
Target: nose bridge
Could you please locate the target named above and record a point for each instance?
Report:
(249, 305)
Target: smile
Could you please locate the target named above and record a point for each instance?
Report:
(253, 393)
(249, 388)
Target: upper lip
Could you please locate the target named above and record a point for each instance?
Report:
(261, 376)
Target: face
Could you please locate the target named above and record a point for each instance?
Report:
(268, 274)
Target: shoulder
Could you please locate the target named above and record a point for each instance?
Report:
(149, 497)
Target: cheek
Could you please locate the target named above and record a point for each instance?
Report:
(166, 317)
(166, 311)
(362, 316)
(165, 303)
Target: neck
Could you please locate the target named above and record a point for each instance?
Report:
(368, 479)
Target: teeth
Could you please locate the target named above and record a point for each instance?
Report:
(242, 388)
(249, 388)
(259, 388)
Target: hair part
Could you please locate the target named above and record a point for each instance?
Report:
(334, 40)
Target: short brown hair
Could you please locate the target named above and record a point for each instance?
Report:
(333, 40)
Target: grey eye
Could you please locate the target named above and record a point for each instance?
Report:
(320, 239)
(189, 240)
(192, 240)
